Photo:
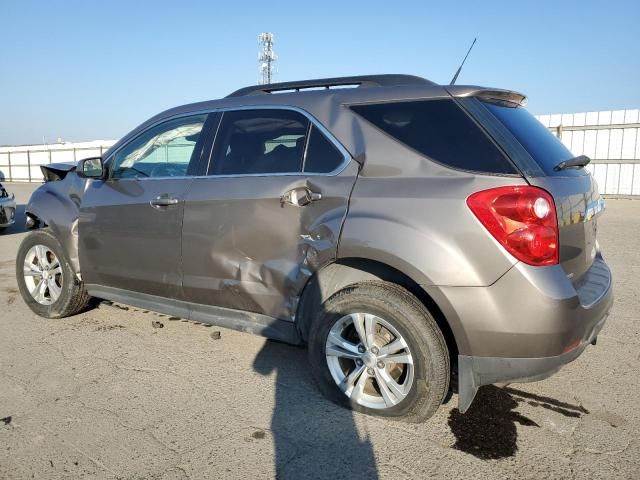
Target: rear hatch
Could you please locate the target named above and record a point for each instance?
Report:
(537, 152)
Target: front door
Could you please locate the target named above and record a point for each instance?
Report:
(130, 225)
(268, 214)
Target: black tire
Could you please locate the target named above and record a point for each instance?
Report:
(2, 229)
(73, 298)
(416, 325)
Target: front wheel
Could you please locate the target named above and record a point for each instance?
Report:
(45, 278)
(375, 348)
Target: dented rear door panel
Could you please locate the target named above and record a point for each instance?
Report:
(244, 249)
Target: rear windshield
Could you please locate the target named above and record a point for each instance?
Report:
(440, 130)
(541, 144)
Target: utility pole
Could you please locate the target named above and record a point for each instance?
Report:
(266, 57)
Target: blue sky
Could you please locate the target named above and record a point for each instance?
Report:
(82, 70)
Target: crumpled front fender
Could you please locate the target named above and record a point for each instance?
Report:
(56, 205)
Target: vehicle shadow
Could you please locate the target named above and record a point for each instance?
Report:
(19, 225)
(312, 437)
(488, 429)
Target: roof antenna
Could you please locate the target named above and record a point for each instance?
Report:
(455, 77)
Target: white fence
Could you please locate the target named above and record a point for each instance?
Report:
(22, 163)
(611, 139)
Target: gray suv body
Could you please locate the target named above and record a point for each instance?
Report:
(405, 231)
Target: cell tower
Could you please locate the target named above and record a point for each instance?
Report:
(266, 57)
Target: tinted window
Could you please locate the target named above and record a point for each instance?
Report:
(259, 141)
(440, 130)
(541, 144)
(162, 151)
(322, 155)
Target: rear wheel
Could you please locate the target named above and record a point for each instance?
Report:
(375, 348)
(45, 279)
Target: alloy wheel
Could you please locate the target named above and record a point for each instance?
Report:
(43, 274)
(369, 360)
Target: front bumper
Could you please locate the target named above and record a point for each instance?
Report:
(7, 211)
(525, 326)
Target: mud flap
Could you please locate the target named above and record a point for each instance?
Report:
(467, 383)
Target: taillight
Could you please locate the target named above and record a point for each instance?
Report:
(522, 218)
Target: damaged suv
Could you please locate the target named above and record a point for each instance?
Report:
(416, 237)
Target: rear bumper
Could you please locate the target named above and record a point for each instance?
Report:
(474, 372)
(7, 211)
(526, 326)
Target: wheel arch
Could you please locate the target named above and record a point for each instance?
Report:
(347, 271)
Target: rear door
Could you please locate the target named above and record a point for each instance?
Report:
(268, 213)
(130, 225)
(574, 190)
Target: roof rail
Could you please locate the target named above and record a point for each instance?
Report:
(357, 81)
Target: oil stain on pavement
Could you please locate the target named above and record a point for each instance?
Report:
(488, 430)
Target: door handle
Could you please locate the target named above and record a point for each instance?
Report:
(300, 197)
(163, 201)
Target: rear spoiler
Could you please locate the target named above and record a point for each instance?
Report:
(498, 95)
(57, 171)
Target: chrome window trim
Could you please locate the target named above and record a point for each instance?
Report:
(314, 121)
(307, 139)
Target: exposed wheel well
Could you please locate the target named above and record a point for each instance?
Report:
(347, 271)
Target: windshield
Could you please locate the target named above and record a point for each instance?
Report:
(541, 144)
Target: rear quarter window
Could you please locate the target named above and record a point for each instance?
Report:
(440, 130)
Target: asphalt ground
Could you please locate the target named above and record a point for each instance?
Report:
(105, 394)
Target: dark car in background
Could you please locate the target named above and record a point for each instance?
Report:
(7, 209)
(410, 234)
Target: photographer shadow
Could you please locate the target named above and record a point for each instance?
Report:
(312, 437)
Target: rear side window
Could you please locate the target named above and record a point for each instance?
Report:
(541, 144)
(259, 142)
(322, 155)
(440, 130)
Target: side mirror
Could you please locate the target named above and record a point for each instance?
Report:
(91, 168)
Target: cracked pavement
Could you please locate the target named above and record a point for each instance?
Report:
(106, 395)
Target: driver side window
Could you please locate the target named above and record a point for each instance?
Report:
(162, 151)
